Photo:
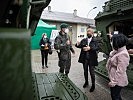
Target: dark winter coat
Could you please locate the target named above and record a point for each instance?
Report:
(44, 41)
(90, 55)
(64, 49)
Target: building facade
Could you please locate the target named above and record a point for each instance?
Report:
(77, 25)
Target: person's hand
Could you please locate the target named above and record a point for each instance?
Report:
(130, 51)
(46, 44)
(86, 48)
(78, 43)
(68, 42)
(110, 84)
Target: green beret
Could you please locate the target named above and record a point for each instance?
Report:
(63, 25)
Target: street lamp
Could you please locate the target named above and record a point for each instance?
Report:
(91, 10)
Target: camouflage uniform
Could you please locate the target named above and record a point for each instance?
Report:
(63, 51)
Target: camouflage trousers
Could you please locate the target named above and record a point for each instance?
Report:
(64, 66)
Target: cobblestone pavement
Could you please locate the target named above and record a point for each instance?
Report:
(101, 92)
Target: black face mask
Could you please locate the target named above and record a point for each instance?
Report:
(89, 35)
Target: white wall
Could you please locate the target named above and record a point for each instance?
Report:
(81, 32)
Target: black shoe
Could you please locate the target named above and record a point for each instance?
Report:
(42, 67)
(85, 85)
(46, 66)
(92, 88)
(66, 75)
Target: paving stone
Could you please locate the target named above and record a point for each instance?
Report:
(76, 75)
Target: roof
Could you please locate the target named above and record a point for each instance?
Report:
(43, 24)
(65, 17)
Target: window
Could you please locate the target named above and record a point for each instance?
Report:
(82, 29)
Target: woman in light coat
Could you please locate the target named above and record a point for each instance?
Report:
(117, 65)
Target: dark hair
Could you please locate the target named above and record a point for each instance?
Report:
(119, 40)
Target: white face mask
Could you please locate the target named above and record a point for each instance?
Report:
(66, 30)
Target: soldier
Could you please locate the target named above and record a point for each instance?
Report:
(63, 46)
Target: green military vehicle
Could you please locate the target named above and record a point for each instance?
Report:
(18, 20)
(117, 16)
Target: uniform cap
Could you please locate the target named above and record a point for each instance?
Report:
(63, 25)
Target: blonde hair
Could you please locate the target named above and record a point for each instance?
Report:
(43, 34)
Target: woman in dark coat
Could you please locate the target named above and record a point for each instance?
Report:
(44, 47)
(88, 57)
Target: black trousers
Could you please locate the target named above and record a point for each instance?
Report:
(115, 92)
(91, 70)
(44, 54)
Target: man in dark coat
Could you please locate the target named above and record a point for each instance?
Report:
(63, 46)
(44, 47)
(88, 57)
